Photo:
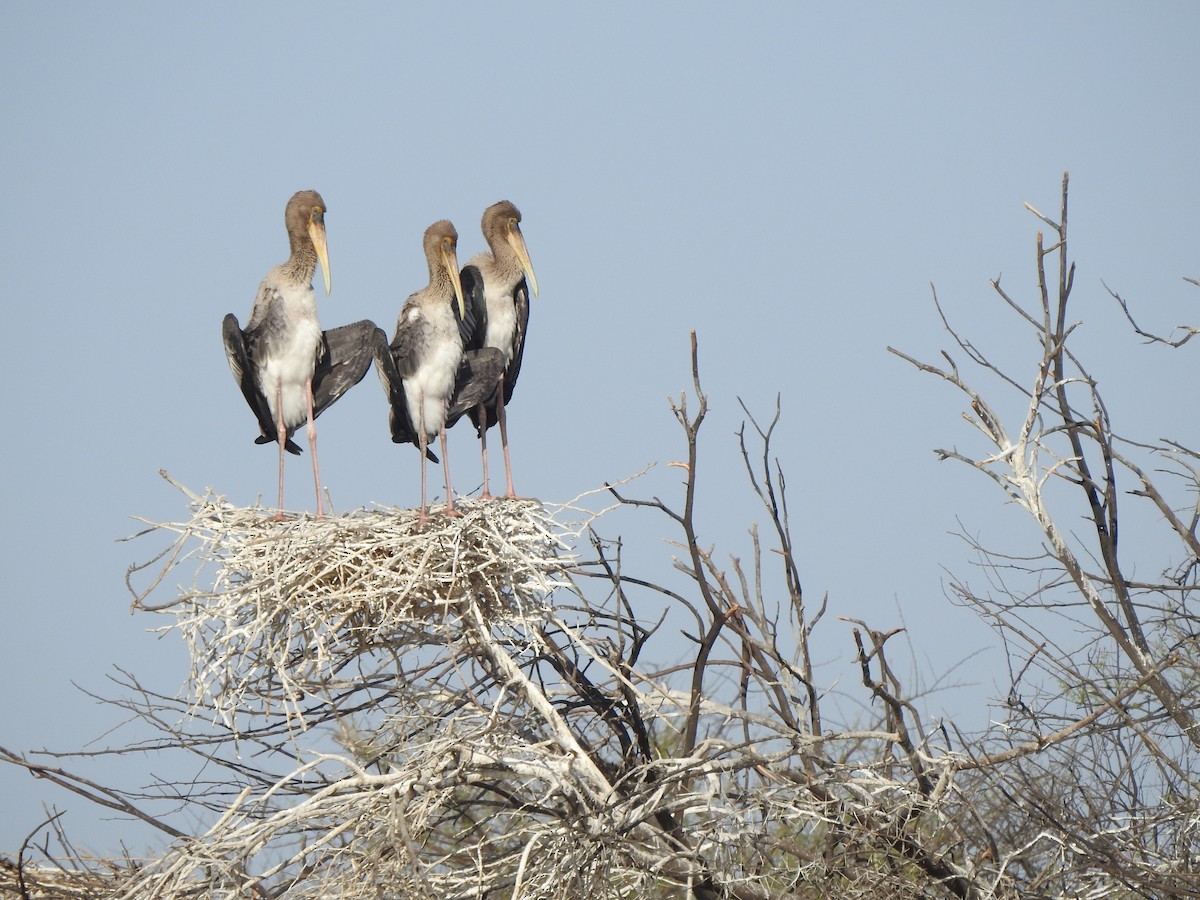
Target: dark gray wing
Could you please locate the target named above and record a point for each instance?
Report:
(474, 327)
(345, 356)
(476, 381)
(521, 302)
(239, 350)
(388, 361)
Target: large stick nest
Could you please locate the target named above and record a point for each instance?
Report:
(71, 881)
(277, 608)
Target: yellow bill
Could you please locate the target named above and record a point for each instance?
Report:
(517, 241)
(316, 231)
(450, 261)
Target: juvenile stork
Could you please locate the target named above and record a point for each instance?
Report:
(421, 367)
(289, 370)
(496, 284)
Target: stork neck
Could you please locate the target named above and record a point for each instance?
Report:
(504, 267)
(439, 278)
(302, 264)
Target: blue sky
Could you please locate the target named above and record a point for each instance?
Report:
(787, 179)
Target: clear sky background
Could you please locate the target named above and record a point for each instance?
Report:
(785, 178)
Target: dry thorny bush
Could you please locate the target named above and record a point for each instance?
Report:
(473, 710)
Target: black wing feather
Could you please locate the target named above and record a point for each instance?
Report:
(521, 302)
(388, 363)
(473, 328)
(239, 350)
(346, 354)
(476, 381)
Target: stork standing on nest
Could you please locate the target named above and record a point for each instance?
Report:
(289, 370)
(496, 284)
(424, 364)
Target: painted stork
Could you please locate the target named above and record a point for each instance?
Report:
(289, 370)
(496, 286)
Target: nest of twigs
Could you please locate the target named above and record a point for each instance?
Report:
(72, 880)
(278, 607)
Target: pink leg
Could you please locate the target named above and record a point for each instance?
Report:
(281, 437)
(423, 442)
(312, 445)
(446, 465)
(487, 488)
(509, 493)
